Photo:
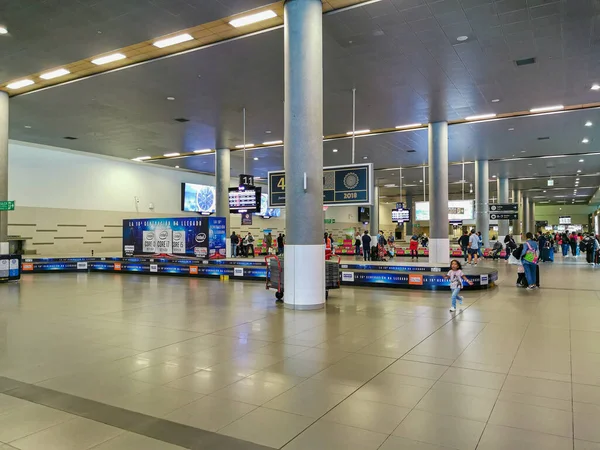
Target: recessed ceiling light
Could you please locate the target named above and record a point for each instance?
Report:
(530, 164)
(481, 117)
(577, 179)
(358, 132)
(54, 74)
(19, 84)
(27, 126)
(544, 191)
(170, 155)
(579, 171)
(268, 132)
(389, 185)
(255, 159)
(496, 100)
(170, 98)
(3, 30)
(411, 125)
(511, 129)
(462, 38)
(585, 140)
(547, 109)
(242, 146)
(177, 167)
(365, 157)
(588, 124)
(173, 40)
(273, 142)
(335, 150)
(420, 181)
(523, 151)
(204, 150)
(493, 176)
(142, 158)
(252, 18)
(595, 87)
(108, 59)
(581, 160)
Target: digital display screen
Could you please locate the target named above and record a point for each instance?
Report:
(400, 215)
(564, 220)
(265, 211)
(457, 210)
(364, 214)
(244, 200)
(198, 198)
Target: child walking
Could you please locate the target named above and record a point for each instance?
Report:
(456, 277)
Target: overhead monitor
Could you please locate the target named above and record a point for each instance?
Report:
(198, 198)
(244, 200)
(400, 215)
(265, 211)
(364, 214)
(457, 210)
(564, 220)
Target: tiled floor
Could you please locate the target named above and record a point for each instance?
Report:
(122, 362)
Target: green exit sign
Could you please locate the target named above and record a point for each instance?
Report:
(7, 205)
(329, 220)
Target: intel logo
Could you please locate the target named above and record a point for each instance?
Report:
(163, 235)
(150, 236)
(200, 237)
(177, 236)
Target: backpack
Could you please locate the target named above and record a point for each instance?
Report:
(530, 251)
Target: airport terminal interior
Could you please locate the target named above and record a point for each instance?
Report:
(299, 225)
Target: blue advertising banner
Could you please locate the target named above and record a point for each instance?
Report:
(174, 238)
(342, 185)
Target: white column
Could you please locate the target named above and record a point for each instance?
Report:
(482, 200)
(503, 225)
(304, 265)
(439, 242)
(3, 170)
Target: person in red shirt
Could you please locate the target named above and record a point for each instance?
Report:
(414, 246)
(328, 248)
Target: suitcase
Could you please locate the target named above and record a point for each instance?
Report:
(551, 254)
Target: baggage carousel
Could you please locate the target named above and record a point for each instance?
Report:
(352, 273)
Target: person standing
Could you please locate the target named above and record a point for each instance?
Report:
(280, 244)
(480, 246)
(473, 247)
(327, 239)
(573, 243)
(357, 243)
(463, 241)
(541, 239)
(414, 247)
(529, 258)
(366, 245)
(509, 245)
(565, 244)
(249, 244)
(269, 242)
(235, 240)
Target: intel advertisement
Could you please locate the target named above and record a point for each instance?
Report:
(203, 237)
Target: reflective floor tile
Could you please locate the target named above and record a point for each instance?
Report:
(544, 402)
(397, 443)
(307, 400)
(393, 394)
(373, 416)
(157, 401)
(533, 418)
(586, 445)
(538, 387)
(253, 391)
(497, 437)
(267, 427)
(332, 436)
(448, 431)
(586, 394)
(417, 369)
(471, 377)
(458, 404)
(75, 434)
(132, 441)
(204, 382)
(586, 427)
(210, 413)
(25, 420)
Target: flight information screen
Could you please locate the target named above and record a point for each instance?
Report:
(244, 200)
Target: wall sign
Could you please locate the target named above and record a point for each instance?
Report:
(497, 207)
(342, 185)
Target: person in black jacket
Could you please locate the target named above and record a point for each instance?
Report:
(463, 241)
(366, 242)
(510, 245)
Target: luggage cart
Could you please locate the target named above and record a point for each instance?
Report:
(275, 277)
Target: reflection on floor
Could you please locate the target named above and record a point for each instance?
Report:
(126, 362)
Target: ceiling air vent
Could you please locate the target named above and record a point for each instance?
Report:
(543, 138)
(411, 151)
(524, 62)
(182, 120)
(70, 138)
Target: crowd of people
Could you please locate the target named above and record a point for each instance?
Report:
(243, 246)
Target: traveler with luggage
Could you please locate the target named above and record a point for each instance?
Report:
(414, 247)
(529, 258)
(497, 248)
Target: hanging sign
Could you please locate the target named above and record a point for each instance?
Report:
(342, 185)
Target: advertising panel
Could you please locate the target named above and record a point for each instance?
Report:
(457, 210)
(198, 198)
(179, 237)
(10, 268)
(342, 185)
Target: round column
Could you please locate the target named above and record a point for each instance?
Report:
(439, 242)
(374, 224)
(3, 169)
(223, 178)
(303, 154)
(482, 200)
(526, 217)
(503, 225)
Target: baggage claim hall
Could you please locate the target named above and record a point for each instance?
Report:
(299, 225)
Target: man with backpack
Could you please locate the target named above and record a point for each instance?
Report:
(463, 241)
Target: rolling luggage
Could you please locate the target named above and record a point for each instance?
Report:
(551, 254)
